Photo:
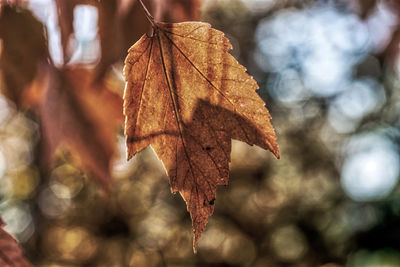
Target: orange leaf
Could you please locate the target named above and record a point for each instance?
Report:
(11, 254)
(187, 97)
(83, 116)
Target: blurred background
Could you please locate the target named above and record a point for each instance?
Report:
(329, 72)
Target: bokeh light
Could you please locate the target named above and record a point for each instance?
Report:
(330, 79)
(321, 43)
(289, 243)
(18, 221)
(371, 169)
(87, 47)
(361, 98)
(46, 11)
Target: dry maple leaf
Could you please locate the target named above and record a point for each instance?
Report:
(187, 97)
(11, 254)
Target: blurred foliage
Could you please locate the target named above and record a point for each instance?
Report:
(329, 73)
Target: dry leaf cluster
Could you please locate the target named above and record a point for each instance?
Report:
(189, 99)
(185, 95)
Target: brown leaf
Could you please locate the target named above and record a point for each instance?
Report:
(176, 10)
(187, 97)
(11, 254)
(83, 116)
(110, 35)
(24, 48)
(120, 24)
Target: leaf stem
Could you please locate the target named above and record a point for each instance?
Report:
(147, 13)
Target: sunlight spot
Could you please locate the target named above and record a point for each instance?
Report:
(361, 98)
(371, 169)
(381, 24)
(46, 11)
(87, 49)
(18, 221)
(321, 43)
(51, 205)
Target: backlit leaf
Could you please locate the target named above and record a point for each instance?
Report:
(187, 97)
